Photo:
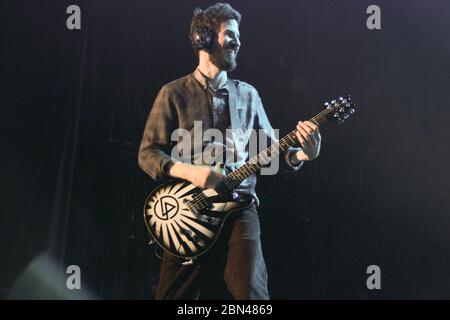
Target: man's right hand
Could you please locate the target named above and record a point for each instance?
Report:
(202, 176)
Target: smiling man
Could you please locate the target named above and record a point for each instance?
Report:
(209, 96)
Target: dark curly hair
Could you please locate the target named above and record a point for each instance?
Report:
(212, 17)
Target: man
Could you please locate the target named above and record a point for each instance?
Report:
(209, 96)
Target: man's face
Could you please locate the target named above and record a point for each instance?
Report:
(225, 49)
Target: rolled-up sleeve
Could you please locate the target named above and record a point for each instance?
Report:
(154, 151)
(264, 123)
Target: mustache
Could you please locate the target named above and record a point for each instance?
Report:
(231, 45)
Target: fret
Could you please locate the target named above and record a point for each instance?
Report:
(262, 157)
(291, 139)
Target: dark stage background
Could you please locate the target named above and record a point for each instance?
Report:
(74, 104)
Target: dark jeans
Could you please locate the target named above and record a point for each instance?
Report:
(234, 268)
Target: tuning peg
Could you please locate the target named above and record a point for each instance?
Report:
(341, 99)
(340, 121)
(351, 111)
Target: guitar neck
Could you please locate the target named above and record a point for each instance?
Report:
(236, 177)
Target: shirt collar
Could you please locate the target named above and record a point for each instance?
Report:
(201, 79)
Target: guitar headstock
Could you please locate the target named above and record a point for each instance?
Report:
(340, 109)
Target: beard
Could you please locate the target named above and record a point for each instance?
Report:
(222, 59)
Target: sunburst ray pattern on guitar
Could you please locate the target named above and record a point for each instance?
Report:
(173, 224)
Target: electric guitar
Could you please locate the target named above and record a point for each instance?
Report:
(186, 221)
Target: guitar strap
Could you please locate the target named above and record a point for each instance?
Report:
(235, 119)
(232, 100)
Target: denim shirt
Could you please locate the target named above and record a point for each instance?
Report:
(183, 101)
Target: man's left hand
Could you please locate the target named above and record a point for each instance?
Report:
(309, 137)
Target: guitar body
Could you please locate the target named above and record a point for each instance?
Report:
(185, 220)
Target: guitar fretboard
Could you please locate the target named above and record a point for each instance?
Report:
(236, 177)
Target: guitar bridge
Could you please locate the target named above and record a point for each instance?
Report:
(190, 235)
